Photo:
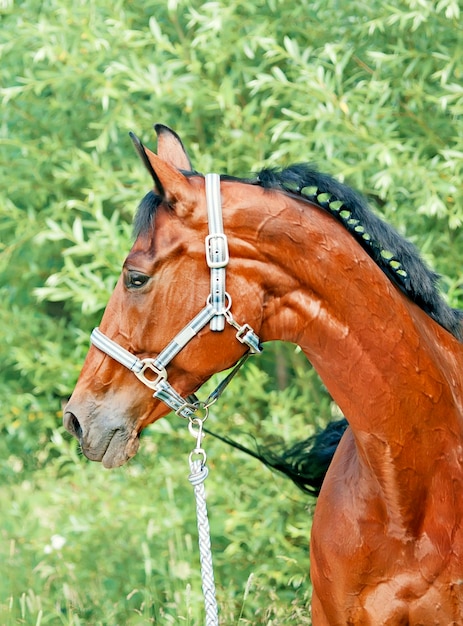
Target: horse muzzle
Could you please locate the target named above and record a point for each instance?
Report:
(113, 445)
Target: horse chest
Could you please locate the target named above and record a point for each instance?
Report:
(368, 570)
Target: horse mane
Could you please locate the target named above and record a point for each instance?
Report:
(398, 258)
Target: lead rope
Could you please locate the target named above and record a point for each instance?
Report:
(198, 474)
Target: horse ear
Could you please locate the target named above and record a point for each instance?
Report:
(168, 181)
(140, 148)
(171, 149)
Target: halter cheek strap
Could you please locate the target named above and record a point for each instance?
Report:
(216, 249)
(152, 371)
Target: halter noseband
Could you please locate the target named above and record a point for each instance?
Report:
(152, 371)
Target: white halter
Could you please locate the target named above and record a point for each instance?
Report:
(152, 371)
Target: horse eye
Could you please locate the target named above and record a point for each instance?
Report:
(135, 280)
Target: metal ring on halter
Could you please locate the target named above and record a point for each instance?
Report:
(210, 400)
(197, 405)
(202, 408)
(227, 305)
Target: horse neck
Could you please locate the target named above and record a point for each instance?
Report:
(392, 370)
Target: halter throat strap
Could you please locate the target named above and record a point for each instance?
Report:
(152, 371)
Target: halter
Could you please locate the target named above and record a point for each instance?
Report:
(152, 371)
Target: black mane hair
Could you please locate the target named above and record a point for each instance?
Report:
(397, 257)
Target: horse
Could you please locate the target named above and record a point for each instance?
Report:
(220, 265)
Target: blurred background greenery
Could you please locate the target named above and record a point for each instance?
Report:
(369, 92)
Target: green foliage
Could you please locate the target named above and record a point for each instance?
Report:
(370, 92)
(86, 546)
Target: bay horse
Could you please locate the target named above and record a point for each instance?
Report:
(307, 262)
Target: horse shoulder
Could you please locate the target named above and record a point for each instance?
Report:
(367, 567)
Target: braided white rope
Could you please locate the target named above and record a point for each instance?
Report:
(197, 477)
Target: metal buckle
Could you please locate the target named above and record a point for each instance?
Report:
(190, 410)
(242, 332)
(148, 365)
(219, 263)
(247, 336)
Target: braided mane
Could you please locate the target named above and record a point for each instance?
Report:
(397, 257)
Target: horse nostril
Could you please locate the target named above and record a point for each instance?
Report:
(71, 424)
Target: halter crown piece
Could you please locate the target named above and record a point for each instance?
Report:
(152, 371)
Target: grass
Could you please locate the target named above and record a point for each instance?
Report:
(83, 545)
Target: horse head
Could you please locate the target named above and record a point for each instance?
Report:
(164, 282)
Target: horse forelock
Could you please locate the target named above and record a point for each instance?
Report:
(144, 217)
